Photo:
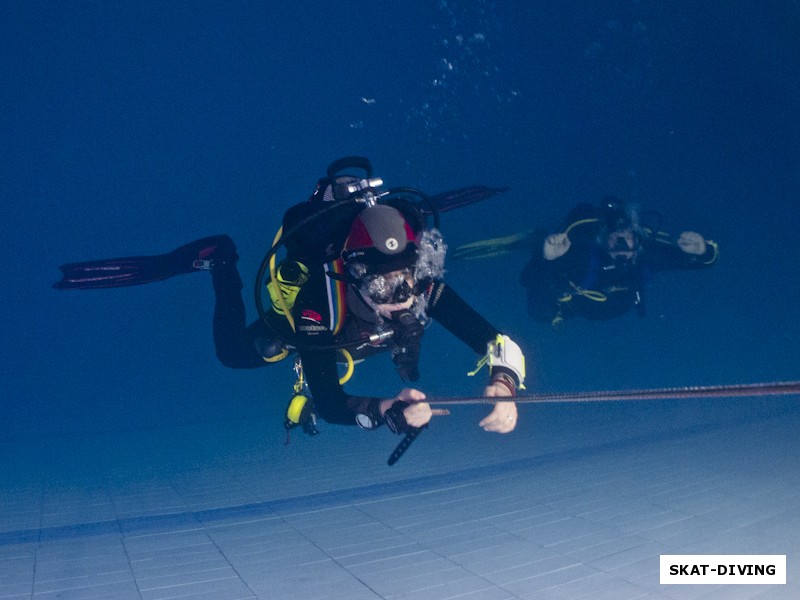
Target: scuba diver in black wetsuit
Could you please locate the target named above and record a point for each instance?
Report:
(362, 275)
(597, 267)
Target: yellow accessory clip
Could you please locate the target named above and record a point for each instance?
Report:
(294, 411)
(300, 410)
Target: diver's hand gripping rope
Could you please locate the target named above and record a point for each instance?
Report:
(779, 388)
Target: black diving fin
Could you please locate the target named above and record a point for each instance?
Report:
(200, 255)
(464, 196)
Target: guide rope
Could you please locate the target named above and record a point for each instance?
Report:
(775, 388)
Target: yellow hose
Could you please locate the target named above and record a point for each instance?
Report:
(350, 366)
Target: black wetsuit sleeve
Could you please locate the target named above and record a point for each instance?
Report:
(464, 322)
(460, 319)
(331, 402)
(664, 255)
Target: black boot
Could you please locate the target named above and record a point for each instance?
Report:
(205, 254)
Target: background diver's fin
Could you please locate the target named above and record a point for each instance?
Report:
(464, 196)
(203, 254)
(523, 240)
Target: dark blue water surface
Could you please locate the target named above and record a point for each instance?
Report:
(135, 127)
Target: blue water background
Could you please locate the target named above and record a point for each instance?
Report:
(135, 127)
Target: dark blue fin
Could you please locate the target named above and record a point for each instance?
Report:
(201, 255)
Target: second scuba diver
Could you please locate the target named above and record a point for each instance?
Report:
(362, 274)
(601, 261)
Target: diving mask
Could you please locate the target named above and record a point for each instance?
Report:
(390, 288)
(623, 245)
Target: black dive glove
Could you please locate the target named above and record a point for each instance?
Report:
(395, 419)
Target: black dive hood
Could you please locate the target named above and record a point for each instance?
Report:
(345, 191)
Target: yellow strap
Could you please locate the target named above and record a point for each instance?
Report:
(481, 363)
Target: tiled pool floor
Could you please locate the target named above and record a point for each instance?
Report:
(194, 515)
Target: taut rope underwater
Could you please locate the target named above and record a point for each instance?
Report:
(775, 388)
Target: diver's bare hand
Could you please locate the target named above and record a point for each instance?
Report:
(692, 243)
(503, 418)
(556, 246)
